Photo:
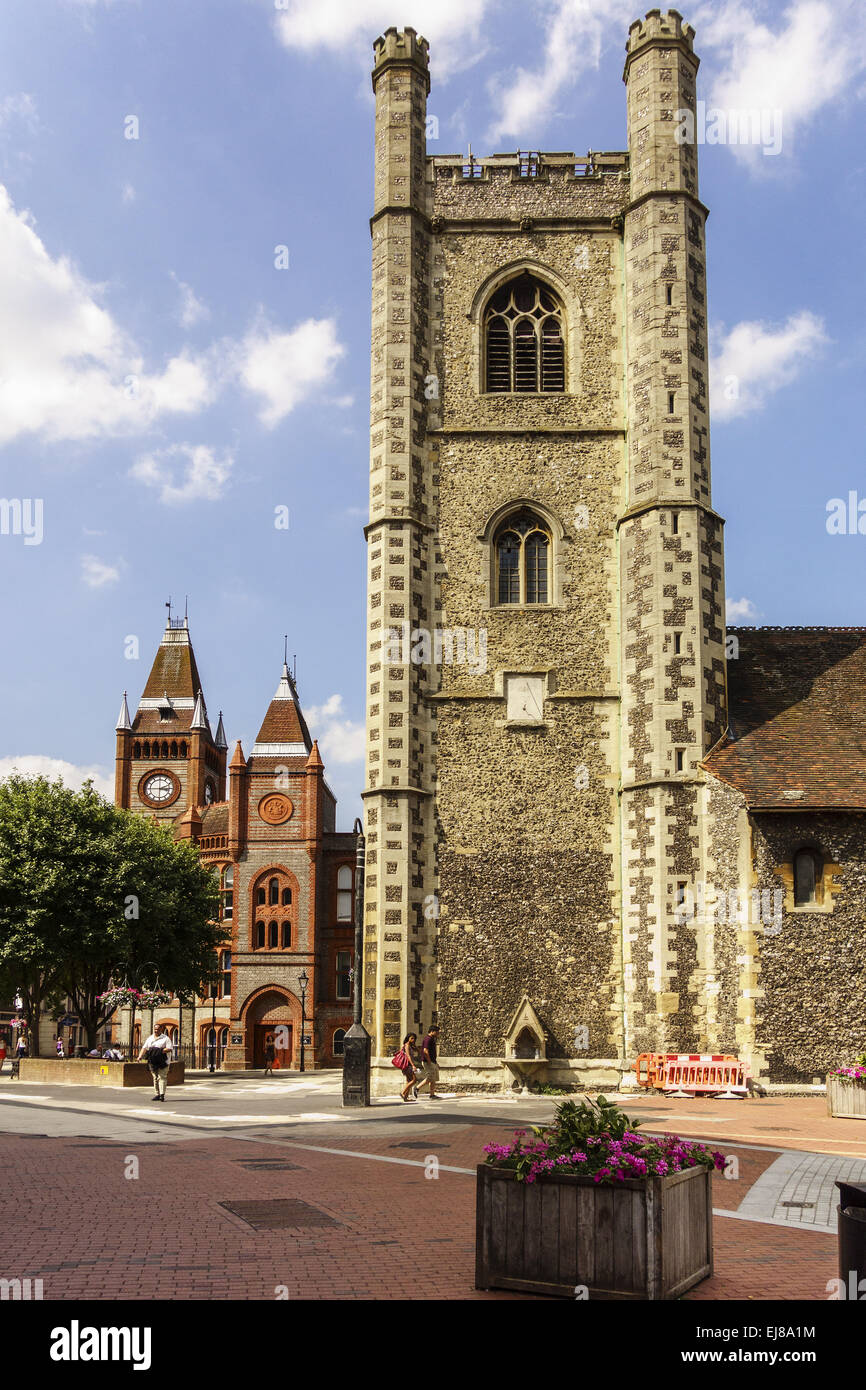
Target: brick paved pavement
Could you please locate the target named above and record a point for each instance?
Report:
(89, 1232)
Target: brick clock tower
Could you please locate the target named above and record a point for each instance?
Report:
(545, 641)
(168, 759)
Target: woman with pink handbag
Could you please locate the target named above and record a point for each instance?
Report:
(407, 1062)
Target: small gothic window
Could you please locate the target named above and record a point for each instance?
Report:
(260, 934)
(272, 935)
(136, 752)
(183, 749)
(522, 548)
(286, 935)
(338, 1042)
(524, 343)
(287, 896)
(274, 892)
(261, 896)
(807, 877)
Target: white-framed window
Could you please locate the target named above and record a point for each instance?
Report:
(345, 894)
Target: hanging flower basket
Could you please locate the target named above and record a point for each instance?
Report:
(119, 997)
(153, 998)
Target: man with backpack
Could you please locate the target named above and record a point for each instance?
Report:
(157, 1050)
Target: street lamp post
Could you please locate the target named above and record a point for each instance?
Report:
(213, 1033)
(357, 1042)
(303, 981)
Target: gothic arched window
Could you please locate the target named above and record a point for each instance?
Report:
(807, 877)
(524, 338)
(274, 892)
(522, 547)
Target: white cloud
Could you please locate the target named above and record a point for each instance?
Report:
(340, 739)
(284, 368)
(575, 33)
(69, 372)
(19, 106)
(452, 27)
(73, 776)
(201, 475)
(127, 193)
(755, 359)
(816, 49)
(740, 610)
(96, 573)
(66, 369)
(191, 310)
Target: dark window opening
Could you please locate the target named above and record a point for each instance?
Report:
(524, 339)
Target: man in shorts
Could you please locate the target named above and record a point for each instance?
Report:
(429, 1065)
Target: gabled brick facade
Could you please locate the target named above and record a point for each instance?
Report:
(271, 839)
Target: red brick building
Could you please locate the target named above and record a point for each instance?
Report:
(286, 874)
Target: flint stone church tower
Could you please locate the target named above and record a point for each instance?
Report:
(547, 681)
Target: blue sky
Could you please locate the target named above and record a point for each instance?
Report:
(164, 387)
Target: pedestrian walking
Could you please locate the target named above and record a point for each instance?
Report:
(270, 1057)
(21, 1048)
(410, 1066)
(157, 1050)
(60, 1053)
(429, 1064)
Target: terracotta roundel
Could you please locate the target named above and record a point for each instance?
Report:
(275, 808)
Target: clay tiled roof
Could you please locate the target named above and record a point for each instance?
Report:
(215, 818)
(797, 716)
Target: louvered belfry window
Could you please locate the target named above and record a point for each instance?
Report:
(525, 348)
(523, 551)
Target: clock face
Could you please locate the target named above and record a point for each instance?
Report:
(159, 787)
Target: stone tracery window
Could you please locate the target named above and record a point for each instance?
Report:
(524, 342)
(522, 548)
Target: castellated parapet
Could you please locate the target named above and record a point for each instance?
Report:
(402, 47)
(658, 27)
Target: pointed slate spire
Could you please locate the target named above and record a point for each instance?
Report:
(123, 720)
(220, 740)
(284, 732)
(199, 714)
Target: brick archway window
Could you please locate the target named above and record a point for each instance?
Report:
(273, 905)
(524, 341)
(523, 548)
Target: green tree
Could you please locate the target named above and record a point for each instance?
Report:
(90, 893)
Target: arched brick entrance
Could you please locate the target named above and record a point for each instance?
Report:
(268, 1011)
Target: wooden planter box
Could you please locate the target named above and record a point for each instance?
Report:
(648, 1238)
(846, 1100)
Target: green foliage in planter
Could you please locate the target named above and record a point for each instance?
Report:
(596, 1139)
